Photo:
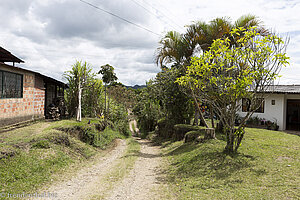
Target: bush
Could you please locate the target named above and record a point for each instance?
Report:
(123, 127)
(192, 135)
(118, 117)
(42, 144)
(59, 138)
(182, 129)
(103, 139)
(165, 128)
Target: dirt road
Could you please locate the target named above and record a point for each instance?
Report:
(88, 180)
(144, 181)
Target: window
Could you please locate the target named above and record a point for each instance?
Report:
(60, 91)
(261, 102)
(11, 85)
(246, 103)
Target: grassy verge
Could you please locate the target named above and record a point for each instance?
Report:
(121, 169)
(267, 167)
(30, 156)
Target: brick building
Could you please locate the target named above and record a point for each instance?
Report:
(24, 94)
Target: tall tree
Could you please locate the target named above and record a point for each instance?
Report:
(227, 73)
(93, 98)
(78, 79)
(108, 77)
(171, 49)
(178, 49)
(122, 95)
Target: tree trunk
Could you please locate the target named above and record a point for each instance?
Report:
(211, 116)
(220, 127)
(230, 141)
(197, 105)
(105, 101)
(196, 118)
(239, 137)
(108, 106)
(79, 102)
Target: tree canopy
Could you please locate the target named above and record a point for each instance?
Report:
(108, 74)
(227, 73)
(80, 76)
(177, 49)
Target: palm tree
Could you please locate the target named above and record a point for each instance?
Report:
(178, 49)
(247, 21)
(78, 78)
(171, 49)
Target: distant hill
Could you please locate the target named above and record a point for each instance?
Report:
(136, 87)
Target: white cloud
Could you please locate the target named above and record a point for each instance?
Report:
(51, 35)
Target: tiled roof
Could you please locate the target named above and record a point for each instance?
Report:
(290, 89)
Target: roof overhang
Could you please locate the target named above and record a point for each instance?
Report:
(6, 56)
(46, 78)
(283, 89)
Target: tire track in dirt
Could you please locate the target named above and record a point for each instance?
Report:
(88, 180)
(144, 179)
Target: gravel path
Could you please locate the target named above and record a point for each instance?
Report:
(143, 180)
(87, 181)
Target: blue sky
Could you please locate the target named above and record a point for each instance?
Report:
(50, 35)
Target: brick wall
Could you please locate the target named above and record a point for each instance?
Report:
(31, 106)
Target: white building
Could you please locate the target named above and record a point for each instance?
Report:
(282, 105)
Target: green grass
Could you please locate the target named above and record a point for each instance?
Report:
(25, 171)
(23, 135)
(29, 156)
(266, 167)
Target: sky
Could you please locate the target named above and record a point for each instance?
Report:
(51, 35)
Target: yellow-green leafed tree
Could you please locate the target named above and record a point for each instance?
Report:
(242, 65)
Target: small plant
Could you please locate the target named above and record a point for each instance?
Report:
(263, 121)
(272, 125)
(256, 121)
(42, 144)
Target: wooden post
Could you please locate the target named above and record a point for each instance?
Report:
(105, 101)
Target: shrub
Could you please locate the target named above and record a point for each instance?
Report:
(103, 139)
(42, 144)
(59, 138)
(192, 135)
(182, 129)
(165, 128)
(122, 127)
